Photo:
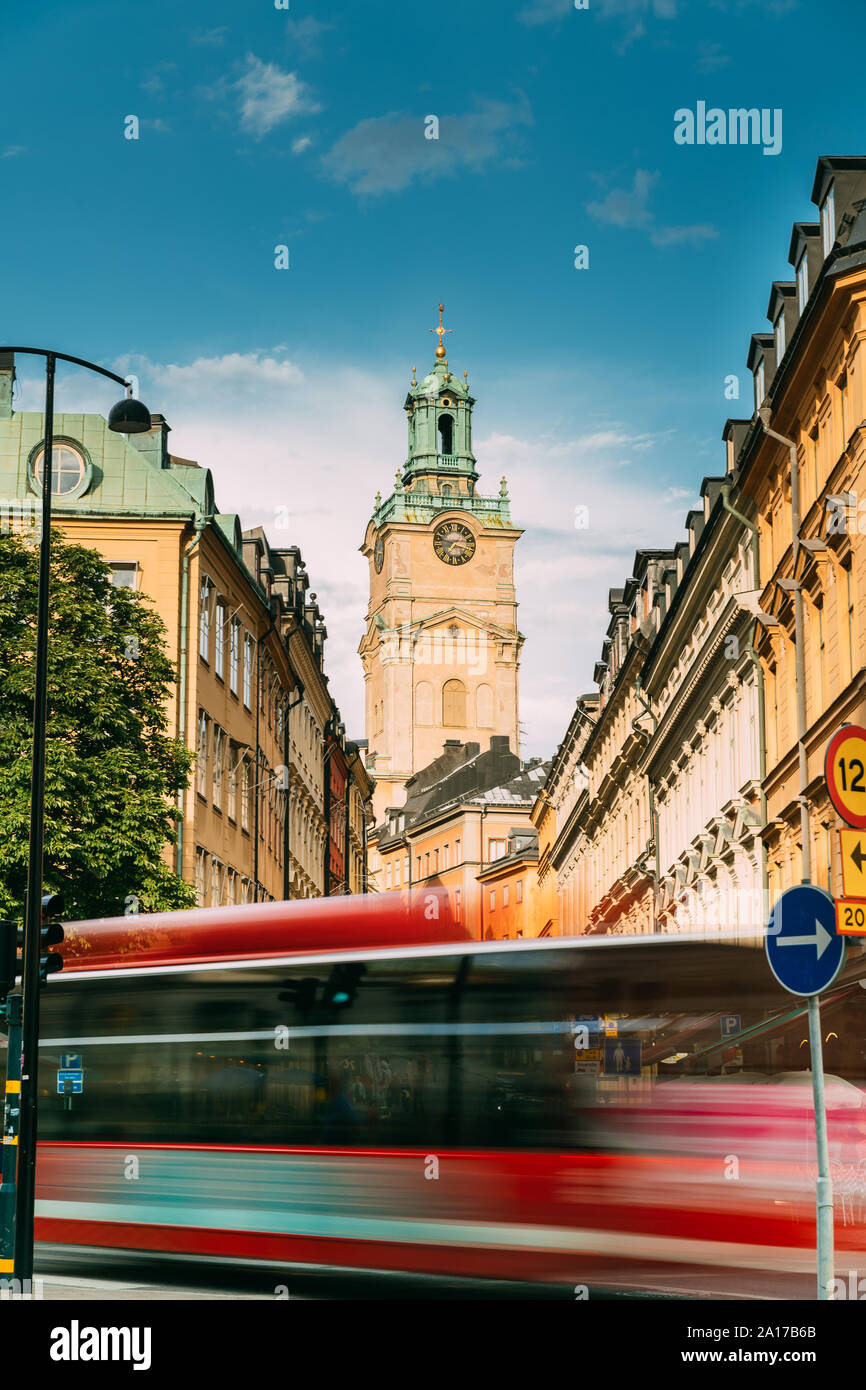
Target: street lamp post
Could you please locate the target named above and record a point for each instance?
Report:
(129, 416)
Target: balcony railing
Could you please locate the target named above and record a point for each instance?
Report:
(444, 499)
(431, 502)
(432, 461)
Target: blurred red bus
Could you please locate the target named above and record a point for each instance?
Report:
(352, 1083)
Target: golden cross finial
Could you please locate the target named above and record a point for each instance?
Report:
(440, 347)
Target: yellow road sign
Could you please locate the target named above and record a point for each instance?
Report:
(851, 916)
(852, 846)
(845, 771)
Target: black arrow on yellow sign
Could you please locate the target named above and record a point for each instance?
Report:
(858, 857)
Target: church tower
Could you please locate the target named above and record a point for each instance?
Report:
(441, 650)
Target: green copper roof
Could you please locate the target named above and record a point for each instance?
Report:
(117, 476)
(440, 379)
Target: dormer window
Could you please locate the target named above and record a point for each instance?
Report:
(71, 471)
(779, 334)
(802, 282)
(828, 222)
(760, 388)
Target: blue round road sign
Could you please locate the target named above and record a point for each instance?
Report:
(803, 948)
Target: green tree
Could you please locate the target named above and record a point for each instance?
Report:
(111, 770)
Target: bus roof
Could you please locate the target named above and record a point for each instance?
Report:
(254, 930)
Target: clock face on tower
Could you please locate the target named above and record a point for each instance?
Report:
(453, 543)
(379, 554)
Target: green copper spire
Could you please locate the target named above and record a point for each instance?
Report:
(439, 474)
(440, 423)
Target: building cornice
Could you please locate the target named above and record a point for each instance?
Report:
(825, 286)
(670, 725)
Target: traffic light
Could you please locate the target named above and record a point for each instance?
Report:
(301, 993)
(50, 934)
(342, 987)
(311, 994)
(8, 958)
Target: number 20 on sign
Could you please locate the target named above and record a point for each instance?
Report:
(851, 917)
(845, 771)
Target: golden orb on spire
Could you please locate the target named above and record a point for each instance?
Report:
(440, 347)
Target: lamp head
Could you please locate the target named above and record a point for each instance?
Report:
(129, 416)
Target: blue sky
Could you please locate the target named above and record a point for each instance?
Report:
(305, 127)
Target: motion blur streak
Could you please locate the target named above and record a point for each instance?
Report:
(555, 1111)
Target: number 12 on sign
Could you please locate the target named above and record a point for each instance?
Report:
(845, 771)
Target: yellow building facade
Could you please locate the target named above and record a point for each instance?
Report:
(681, 790)
(247, 640)
(806, 489)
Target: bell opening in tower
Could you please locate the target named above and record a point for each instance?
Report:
(446, 434)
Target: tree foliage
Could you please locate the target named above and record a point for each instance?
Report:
(111, 769)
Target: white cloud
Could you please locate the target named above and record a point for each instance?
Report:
(659, 9)
(12, 151)
(626, 207)
(563, 571)
(268, 96)
(213, 38)
(155, 82)
(710, 57)
(302, 143)
(545, 11)
(551, 11)
(273, 431)
(678, 236)
(248, 374)
(630, 207)
(386, 153)
(306, 33)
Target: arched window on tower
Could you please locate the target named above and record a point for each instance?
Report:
(484, 707)
(423, 703)
(446, 434)
(454, 704)
(447, 490)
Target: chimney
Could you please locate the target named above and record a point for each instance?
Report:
(7, 378)
(154, 442)
(505, 764)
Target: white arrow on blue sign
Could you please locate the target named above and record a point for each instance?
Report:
(803, 949)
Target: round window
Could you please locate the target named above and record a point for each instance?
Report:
(68, 469)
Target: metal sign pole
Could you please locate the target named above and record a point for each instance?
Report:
(806, 953)
(9, 1155)
(824, 1183)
